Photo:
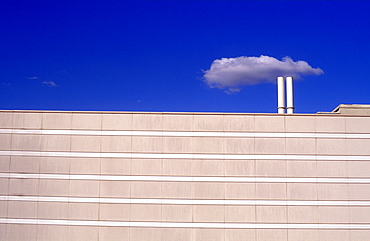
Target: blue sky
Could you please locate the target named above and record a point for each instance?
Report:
(151, 55)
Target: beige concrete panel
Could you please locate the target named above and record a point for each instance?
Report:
(83, 211)
(3, 209)
(84, 165)
(271, 191)
(357, 125)
(209, 190)
(146, 166)
(303, 214)
(208, 122)
(23, 187)
(5, 142)
(333, 235)
(333, 214)
(271, 168)
(177, 189)
(4, 163)
(115, 166)
(178, 122)
(3, 230)
(359, 214)
(177, 213)
(239, 145)
(358, 146)
(240, 214)
(297, 168)
(295, 123)
(208, 234)
(332, 191)
(25, 164)
(21, 232)
(153, 121)
(119, 189)
(146, 212)
(4, 186)
(208, 167)
(240, 190)
(114, 233)
(359, 192)
(86, 143)
(269, 145)
(300, 146)
(116, 144)
(114, 212)
(6, 119)
(147, 144)
(146, 189)
(269, 123)
(58, 121)
(178, 234)
(331, 146)
(22, 209)
(117, 122)
(55, 187)
(208, 145)
(27, 120)
(52, 210)
(272, 234)
(271, 214)
(238, 122)
(330, 124)
(332, 168)
(302, 191)
(54, 164)
(239, 167)
(178, 144)
(49, 187)
(83, 233)
(177, 167)
(52, 232)
(84, 188)
(359, 235)
(303, 235)
(26, 142)
(55, 143)
(86, 121)
(240, 234)
(209, 213)
(358, 168)
(141, 234)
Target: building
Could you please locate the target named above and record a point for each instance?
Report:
(185, 176)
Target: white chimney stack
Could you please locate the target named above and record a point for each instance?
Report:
(281, 95)
(289, 95)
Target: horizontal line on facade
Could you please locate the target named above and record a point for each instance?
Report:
(186, 178)
(184, 224)
(188, 133)
(187, 156)
(227, 202)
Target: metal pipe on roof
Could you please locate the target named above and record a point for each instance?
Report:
(289, 99)
(281, 95)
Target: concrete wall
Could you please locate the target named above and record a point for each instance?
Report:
(183, 176)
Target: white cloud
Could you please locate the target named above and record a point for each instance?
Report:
(50, 83)
(232, 73)
(33, 77)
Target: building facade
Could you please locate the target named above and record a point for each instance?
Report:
(184, 176)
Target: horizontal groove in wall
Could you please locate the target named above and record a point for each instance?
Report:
(185, 224)
(187, 156)
(186, 178)
(189, 134)
(227, 202)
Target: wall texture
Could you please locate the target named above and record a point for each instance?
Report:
(183, 176)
